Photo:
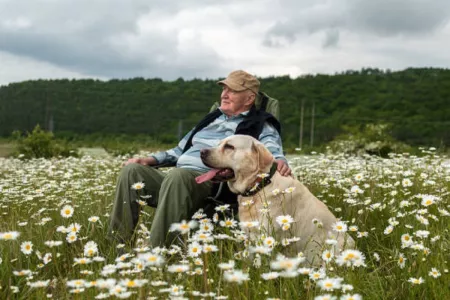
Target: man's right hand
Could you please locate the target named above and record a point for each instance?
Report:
(146, 161)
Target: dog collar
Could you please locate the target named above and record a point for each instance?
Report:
(262, 181)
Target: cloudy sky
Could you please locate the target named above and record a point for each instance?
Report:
(209, 38)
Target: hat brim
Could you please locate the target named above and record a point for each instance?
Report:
(232, 85)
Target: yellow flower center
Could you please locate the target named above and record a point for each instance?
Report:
(131, 283)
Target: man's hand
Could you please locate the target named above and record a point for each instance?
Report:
(283, 167)
(146, 161)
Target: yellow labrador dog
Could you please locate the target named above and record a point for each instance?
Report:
(264, 194)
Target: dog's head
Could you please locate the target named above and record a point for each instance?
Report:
(238, 159)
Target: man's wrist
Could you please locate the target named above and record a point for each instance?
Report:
(151, 161)
(282, 159)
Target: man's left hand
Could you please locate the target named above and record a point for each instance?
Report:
(283, 168)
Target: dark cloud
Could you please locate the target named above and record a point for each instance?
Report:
(382, 18)
(79, 54)
(393, 17)
(331, 38)
(90, 37)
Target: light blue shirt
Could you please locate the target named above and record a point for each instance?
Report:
(210, 136)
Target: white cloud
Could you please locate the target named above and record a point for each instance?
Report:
(170, 39)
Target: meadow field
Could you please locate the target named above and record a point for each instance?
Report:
(54, 218)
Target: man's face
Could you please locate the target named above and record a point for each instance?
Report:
(234, 102)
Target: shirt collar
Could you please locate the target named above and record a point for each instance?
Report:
(229, 117)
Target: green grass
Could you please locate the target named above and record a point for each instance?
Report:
(6, 149)
(33, 193)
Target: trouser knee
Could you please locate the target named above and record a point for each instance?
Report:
(177, 176)
(130, 169)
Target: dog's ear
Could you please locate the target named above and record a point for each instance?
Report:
(264, 156)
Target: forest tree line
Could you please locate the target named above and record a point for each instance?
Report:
(415, 101)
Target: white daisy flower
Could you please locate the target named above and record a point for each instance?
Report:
(178, 268)
(284, 219)
(416, 281)
(330, 284)
(93, 219)
(138, 186)
(71, 237)
(236, 276)
(327, 256)
(270, 275)
(227, 266)
(339, 226)
(10, 235)
(434, 273)
(194, 249)
(67, 211)
(26, 247)
(183, 227)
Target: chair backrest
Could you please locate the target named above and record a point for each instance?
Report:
(272, 105)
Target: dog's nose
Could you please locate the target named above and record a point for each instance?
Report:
(204, 153)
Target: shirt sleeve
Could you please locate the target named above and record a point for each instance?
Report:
(172, 155)
(272, 140)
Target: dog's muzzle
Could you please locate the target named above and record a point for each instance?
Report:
(215, 174)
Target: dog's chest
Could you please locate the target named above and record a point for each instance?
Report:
(259, 207)
(249, 209)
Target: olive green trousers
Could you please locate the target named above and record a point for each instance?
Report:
(176, 193)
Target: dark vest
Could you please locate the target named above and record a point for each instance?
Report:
(252, 125)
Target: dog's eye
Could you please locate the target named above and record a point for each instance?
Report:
(228, 146)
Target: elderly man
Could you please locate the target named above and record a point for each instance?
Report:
(176, 193)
